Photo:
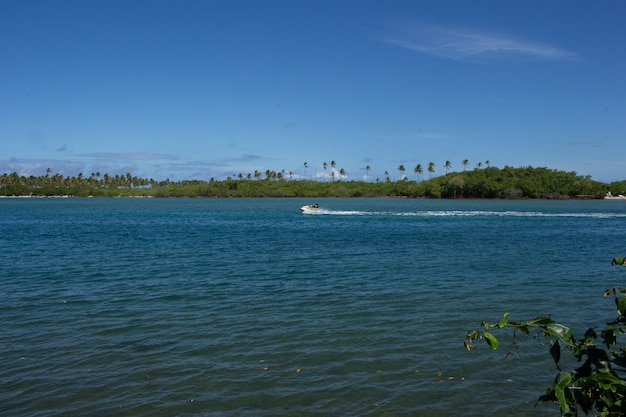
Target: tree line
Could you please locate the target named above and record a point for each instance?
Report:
(341, 174)
(479, 182)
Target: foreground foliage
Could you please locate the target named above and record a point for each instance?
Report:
(597, 385)
(490, 182)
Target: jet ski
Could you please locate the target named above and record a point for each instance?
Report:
(310, 208)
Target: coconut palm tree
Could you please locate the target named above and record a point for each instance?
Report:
(431, 169)
(479, 165)
(465, 164)
(418, 170)
(342, 173)
(367, 170)
(332, 170)
(306, 165)
(325, 165)
(447, 166)
(401, 171)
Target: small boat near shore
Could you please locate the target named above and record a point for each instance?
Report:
(610, 196)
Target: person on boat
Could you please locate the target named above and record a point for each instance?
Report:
(315, 205)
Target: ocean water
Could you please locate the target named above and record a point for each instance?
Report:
(246, 307)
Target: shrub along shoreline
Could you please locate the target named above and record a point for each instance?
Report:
(490, 183)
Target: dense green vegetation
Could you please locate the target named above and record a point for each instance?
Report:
(490, 182)
(598, 385)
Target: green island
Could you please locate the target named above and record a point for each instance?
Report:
(490, 182)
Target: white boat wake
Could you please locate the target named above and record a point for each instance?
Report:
(457, 213)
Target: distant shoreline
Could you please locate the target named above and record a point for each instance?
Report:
(506, 183)
(563, 198)
(75, 196)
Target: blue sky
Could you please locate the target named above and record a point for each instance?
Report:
(206, 89)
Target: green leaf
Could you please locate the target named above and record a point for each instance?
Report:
(504, 320)
(537, 321)
(609, 336)
(561, 382)
(560, 396)
(491, 340)
(523, 329)
(562, 332)
(555, 351)
(608, 379)
(563, 379)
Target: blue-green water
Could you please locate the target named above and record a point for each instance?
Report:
(147, 307)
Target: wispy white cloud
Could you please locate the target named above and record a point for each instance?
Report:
(472, 45)
(130, 156)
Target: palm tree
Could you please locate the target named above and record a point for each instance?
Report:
(479, 165)
(487, 163)
(387, 176)
(342, 173)
(418, 170)
(367, 170)
(332, 170)
(325, 165)
(447, 166)
(401, 171)
(306, 165)
(465, 164)
(431, 169)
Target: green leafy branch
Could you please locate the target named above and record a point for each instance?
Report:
(598, 384)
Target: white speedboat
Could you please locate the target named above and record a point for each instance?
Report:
(310, 208)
